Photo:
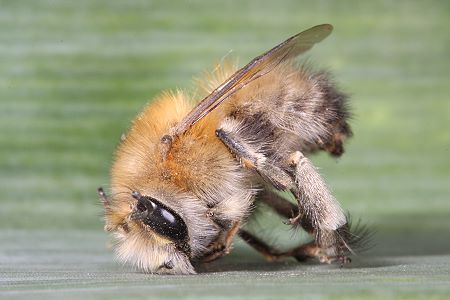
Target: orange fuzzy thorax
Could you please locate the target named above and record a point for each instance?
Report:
(191, 159)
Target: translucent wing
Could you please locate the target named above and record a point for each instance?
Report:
(258, 67)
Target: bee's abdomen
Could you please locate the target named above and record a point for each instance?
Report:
(323, 110)
(304, 110)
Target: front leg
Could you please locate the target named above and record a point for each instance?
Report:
(222, 245)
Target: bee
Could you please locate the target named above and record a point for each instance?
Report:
(186, 177)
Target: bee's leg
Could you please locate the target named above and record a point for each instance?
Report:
(301, 253)
(319, 211)
(313, 250)
(357, 237)
(285, 209)
(269, 253)
(289, 210)
(341, 243)
(222, 245)
(280, 205)
(254, 159)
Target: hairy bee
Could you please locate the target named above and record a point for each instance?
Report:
(185, 179)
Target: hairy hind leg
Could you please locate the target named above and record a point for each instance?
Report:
(313, 249)
(318, 210)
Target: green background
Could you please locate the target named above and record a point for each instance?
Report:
(73, 74)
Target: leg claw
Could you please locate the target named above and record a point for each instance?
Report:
(293, 221)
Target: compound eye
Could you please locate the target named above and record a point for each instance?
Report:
(163, 220)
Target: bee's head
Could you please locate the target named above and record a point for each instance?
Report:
(155, 234)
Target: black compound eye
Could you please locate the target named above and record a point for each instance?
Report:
(163, 220)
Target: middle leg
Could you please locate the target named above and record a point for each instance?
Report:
(222, 245)
(300, 253)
